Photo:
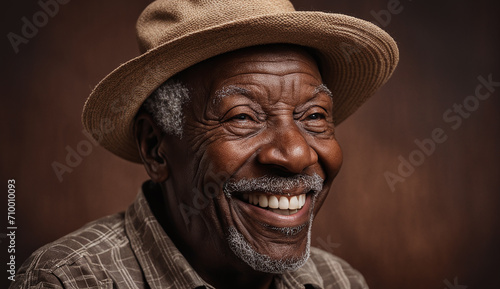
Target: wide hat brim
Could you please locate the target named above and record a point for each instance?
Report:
(355, 58)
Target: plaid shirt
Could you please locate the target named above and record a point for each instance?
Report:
(131, 250)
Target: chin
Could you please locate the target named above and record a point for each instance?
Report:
(283, 257)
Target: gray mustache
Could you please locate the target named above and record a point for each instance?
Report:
(274, 184)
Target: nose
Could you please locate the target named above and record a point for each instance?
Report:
(288, 149)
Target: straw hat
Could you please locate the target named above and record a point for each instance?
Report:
(355, 56)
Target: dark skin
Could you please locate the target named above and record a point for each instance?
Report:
(252, 112)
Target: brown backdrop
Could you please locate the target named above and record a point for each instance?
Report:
(439, 224)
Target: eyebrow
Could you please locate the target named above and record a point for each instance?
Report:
(229, 90)
(233, 89)
(323, 88)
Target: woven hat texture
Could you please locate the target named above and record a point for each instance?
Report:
(355, 56)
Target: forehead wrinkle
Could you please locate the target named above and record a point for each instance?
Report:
(272, 71)
(291, 59)
(273, 98)
(257, 72)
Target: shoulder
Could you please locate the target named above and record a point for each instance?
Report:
(76, 254)
(332, 269)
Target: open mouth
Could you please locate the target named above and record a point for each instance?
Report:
(279, 204)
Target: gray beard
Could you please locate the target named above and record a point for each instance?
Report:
(263, 263)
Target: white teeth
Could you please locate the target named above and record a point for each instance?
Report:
(302, 200)
(273, 202)
(263, 202)
(276, 203)
(283, 203)
(294, 203)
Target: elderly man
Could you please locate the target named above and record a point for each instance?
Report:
(232, 109)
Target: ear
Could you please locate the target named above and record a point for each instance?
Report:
(149, 139)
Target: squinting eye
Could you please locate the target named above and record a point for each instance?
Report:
(241, 116)
(316, 116)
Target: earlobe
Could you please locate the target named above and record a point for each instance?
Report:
(149, 139)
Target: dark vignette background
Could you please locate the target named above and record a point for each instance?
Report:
(441, 223)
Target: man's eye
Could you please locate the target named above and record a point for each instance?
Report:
(241, 116)
(316, 116)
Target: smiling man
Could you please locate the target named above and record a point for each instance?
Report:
(264, 118)
(232, 109)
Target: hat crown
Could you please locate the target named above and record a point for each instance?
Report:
(166, 20)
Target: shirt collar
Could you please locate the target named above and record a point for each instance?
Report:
(162, 263)
(306, 275)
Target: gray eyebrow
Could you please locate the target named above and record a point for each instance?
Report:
(229, 90)
(324, 89)
(233, 89)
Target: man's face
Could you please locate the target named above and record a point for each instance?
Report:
(261, 118)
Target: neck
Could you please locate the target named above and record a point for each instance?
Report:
(209, 255)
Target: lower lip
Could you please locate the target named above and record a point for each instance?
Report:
(276, 220)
